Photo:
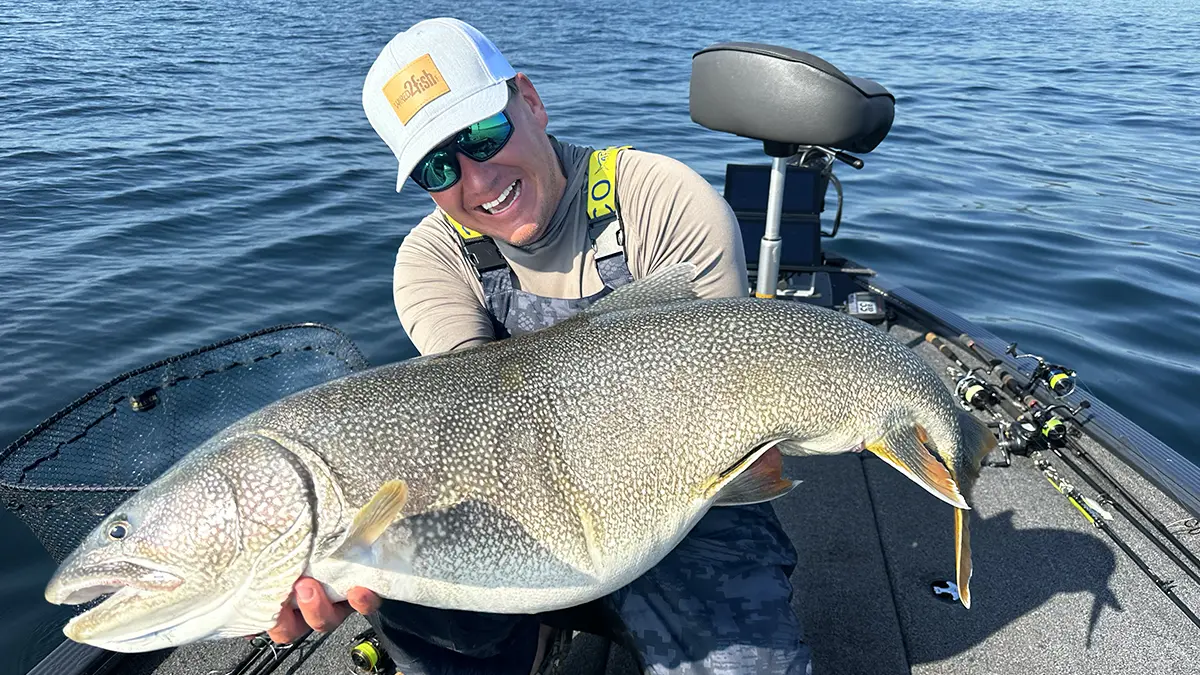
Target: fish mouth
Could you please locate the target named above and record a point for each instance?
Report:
(144, 602)
(120, 578)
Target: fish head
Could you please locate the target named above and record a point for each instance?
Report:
(208, 550)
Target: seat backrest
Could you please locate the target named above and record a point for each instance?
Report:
(746, 189)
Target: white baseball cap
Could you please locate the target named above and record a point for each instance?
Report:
(430, 82)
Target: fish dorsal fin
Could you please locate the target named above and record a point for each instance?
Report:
(375, 517)
(662, 287)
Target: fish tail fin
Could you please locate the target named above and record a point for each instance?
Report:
(962, 555)
(904, 448)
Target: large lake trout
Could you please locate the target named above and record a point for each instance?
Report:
(521, 476)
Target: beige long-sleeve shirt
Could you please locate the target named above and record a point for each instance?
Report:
(669, 214)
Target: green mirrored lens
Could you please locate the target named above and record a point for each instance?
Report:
(482, 140)
(436, 171)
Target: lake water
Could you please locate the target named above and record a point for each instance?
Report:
(174, 173)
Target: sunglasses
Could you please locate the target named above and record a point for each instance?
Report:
(439, 170)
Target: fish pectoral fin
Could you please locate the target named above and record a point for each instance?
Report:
(757, 478)
(962, 555)
(377, 514)
(904, 448)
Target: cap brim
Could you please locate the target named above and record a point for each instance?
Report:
(474, 108)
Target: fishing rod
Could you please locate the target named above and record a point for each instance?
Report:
(1097, 516)
(1072, 444)
(1065, 439)
(254, 663)
(1048, 375)
(1040, 427)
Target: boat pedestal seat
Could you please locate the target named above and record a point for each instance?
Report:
(786, 97)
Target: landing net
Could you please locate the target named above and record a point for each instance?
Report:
(65, 475)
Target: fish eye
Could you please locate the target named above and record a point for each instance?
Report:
(118, 530)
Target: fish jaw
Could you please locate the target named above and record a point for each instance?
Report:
(209, 550)
(152, 624)
(142, 609)
(156, 610)
(75, 589)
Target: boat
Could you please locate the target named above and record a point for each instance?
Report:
(1085, 526)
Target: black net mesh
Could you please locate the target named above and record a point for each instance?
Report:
(70, 471)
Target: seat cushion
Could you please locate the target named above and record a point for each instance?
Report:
(778, 94)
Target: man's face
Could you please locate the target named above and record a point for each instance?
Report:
(526, 168)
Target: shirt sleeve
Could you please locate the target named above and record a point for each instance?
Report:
(438, 297)
(671, 214)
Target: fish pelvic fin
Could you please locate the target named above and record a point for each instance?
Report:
(904, 448)
(667, 285)
(377, 515)
(756, 478)
(962, 555)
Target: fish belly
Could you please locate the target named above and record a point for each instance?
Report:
(509, 579)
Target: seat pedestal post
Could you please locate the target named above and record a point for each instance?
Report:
(771, 248)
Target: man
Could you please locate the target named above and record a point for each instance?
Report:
(528, 230)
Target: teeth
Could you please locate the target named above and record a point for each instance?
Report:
(503, 195)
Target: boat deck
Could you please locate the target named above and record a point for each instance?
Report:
(1050, 592)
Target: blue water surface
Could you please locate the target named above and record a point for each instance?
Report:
(174, 173)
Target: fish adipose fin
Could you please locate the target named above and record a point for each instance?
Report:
(377, 515)
(675, 283)
(977, 440)
(904, 448)
(757, 478)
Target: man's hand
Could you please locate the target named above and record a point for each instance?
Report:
(316, 611)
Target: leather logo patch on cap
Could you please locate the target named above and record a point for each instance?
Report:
(414, 87)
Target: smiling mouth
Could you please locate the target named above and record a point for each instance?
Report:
(504, 201)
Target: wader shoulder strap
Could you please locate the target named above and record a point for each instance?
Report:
(481, 251)
(604, 227)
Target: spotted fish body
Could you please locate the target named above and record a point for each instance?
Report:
(524, 475)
